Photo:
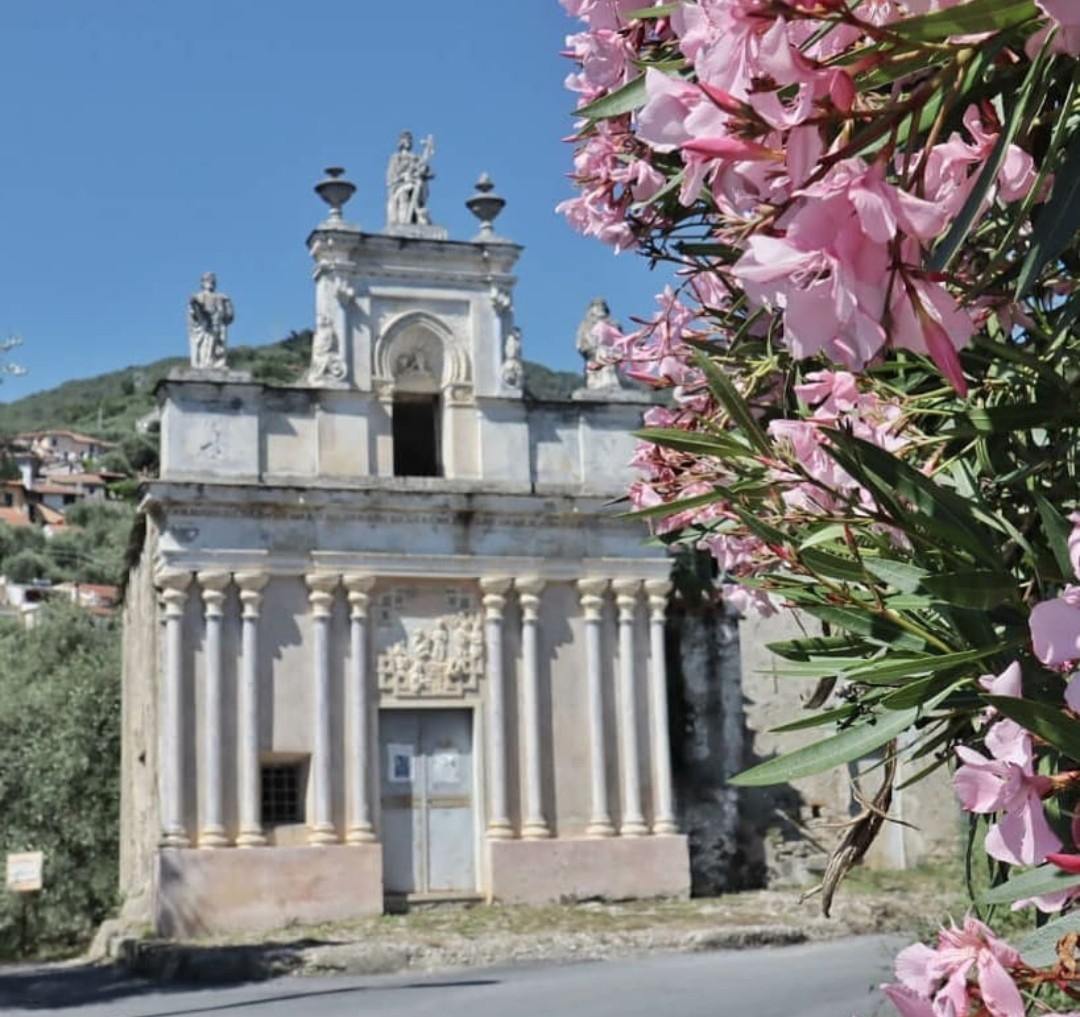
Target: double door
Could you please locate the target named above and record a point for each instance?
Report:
(427, 794)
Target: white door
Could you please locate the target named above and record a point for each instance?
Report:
(428, 819)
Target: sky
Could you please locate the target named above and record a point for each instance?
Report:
(149, 141)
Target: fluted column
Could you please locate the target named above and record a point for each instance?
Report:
(212, 828)
(656, 590)
(360, 829)
(591, 592)
(173, 584)
(535, 826)
(250, 585)
(321, 597)
(633, 820)
(494, 589)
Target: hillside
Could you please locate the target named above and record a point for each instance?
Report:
(108, 405)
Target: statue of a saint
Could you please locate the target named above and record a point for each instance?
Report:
(407, 178)
(209, 316)
(590, 344)
(327, 364)
(513, 370)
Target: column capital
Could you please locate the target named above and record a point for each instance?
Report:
(213, 585)
(495, 584)
(321, 587)
(357, 582)
(529, 589)
(172, 580)
(591, 592)
(359, 590)
(494, 588)
(626, 589)
(657, 588)
(251, 581)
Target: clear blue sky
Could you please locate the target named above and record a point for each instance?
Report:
(148, 141)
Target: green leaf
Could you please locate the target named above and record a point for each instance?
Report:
(983, 590)
(832, 566)
(1057, 222)
(887, 669)
(671, 507)
(850, 744)
(697, 442)
(729, 397)
(976, 16)
(839, 714)
(875, 627)
(810, 647)
(1032, 883)
(1039, 949)
(645, 13)
(1043, 720)
(905, 577)
(626, 99)
(1057, 534)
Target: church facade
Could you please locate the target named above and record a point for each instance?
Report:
(385, 639)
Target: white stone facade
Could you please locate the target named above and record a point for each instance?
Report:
(457, 677)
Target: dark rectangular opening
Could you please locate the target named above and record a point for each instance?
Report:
(416, 437)
(282, 793)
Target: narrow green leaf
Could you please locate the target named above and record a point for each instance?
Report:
(975, 16)
(1057, 223)
(1031, 883)
(626, 99)
(832, 566)
(850, 744)
(721, 386)
(839, 714)
(1039, 949)
(1043, 720)
(645, 13)
(887, 669)
(671, 507)
(983, 590)
(697, 442)
(874, 627)
(1057, 534)
(824, 534)
(810, 647)
(902, 575)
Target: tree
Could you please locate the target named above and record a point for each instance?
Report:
(871, 209)
(60, 771)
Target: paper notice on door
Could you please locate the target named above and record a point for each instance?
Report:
(399, 762)
(445, 768)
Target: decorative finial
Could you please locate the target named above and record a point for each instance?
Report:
(335, 190)
(485, 205)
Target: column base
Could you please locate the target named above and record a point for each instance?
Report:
(213, 837)
(536, 829)
(633, 828)
(362, 833)
(175, 839)
(322, 835)
(250, 839)
(600, 828)
(665, 827)
(500, 829)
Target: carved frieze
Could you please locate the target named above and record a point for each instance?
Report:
(423, 654)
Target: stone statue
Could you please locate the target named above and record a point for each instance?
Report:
(598, 373)
(327, 363)
(407, 178)
(209, 316)
(513, 371)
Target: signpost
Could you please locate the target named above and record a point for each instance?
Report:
(24, 877)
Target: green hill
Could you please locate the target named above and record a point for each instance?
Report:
(108, 405)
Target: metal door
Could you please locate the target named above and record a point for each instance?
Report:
(428, 820)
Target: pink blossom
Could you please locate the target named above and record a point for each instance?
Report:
(604, 56)
(1008, 683)
(968, 966)
(603, 14)
(1055, 628)
(927, 319)
(1074, 543)
(1007, 783)
(1064, 23)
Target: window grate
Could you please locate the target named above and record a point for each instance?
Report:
(282, 794)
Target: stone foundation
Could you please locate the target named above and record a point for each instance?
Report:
(199, 893)
(611, 868)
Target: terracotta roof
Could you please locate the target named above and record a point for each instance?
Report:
(50, 488)
(77, 478)
(50, 516)
(74, 435)
(13, 517)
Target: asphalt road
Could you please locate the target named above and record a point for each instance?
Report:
(835, 979)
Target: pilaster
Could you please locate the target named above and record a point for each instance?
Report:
(213, 586)
(321, 587)
(494, 590)
(529, 590)
(250, 585)
(360, 829)
(173, 584)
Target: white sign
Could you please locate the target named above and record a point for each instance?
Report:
(399, 762)
(24, 871)
(445, 768)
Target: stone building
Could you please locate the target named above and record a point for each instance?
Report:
(384, 636)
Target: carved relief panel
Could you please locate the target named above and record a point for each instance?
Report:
(429, 642)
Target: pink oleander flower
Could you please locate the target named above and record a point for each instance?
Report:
(969, 966)
(1074, 543)
(1007, 783)
(1064, 23)
(1055, 628)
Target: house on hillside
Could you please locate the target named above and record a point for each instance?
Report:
(59, 446)
(386, 640)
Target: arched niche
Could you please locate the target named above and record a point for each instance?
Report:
(417, 353)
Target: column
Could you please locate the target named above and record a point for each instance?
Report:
(633, 820)
(534, 826)
(494, 589)
(251, 586)
(321, 597)
(212, 829)
(173, 584)
(591, 592)
(360, 829)
(656, 590)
